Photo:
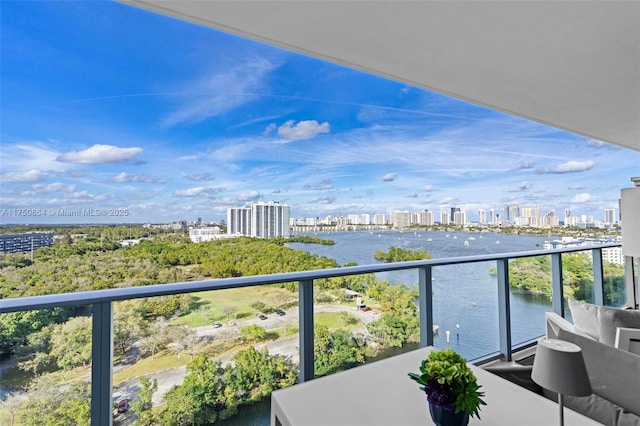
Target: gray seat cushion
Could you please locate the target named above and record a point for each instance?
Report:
(614, 373)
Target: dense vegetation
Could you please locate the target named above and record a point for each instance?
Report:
(306, 239)
(398, 254)
(211, 391)
(533, 275)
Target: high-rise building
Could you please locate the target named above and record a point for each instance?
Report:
(353, 219)
(506, 217)
(492, 216)
(263, 220)
(460, 218)
(401, 219)
(379, 219)
(426, 218)
(270, 220)
(239, 220)
(610, 216)
(453, 212)
(482, 216)
(444, 218)
(516, 212)
(365, 219)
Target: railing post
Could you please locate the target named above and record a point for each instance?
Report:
(425, 304)
(557, 291)
(630, 282)
(504, 308)
(101, 365)
(598, 277)
(305, 302)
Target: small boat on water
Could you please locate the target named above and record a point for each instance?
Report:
(466, 243)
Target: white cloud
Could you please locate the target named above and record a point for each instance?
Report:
(53, 187)
(324, 185)
(100, 154)
(201, 177)
(429, 188)
(389, 177)
(23, 177)
(248, 196)
(524, 186)
(124, 178)
(34, 156)
(269, 129)
(572, 166)
(581, 198)
(221, 92)
(198, 191)
(305, 129)
(323, 200)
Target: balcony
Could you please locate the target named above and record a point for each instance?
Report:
(508, 333)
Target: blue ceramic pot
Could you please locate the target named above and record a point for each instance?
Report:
(448, 417)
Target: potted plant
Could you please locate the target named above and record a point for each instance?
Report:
(451, 387)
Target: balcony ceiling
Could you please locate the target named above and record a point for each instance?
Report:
(571, 65)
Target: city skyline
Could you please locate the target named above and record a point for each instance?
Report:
(168, 121)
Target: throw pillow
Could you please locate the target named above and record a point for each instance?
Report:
(586, 317)
(612, 318)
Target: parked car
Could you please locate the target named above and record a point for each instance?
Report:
(280, 312)
(123, 406)
(263, 317)
(376, 314)
(217, 325)
(365, 309)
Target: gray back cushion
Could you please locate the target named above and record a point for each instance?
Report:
(612, 318)
(614, 373)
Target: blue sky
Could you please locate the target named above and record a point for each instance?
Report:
(104, 106)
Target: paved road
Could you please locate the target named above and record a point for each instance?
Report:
(287, 346)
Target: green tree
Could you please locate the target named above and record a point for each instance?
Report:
(253, 332)
(142, 406)
(335, 351)
(71, 343)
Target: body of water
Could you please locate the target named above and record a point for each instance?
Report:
(465, 298)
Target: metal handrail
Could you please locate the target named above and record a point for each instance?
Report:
(116, 294)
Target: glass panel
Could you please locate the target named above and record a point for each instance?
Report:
(45, 375)
(224, 345)
(615, 293)
(363, 318)
(577, 276)
(465, 304)
(531, 289)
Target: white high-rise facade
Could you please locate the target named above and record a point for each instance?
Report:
(610, 216)
(426, 218)
(482, 216)
(444, 218)
(239, 220)
(379, 219)
(401, 219)
(263, 220)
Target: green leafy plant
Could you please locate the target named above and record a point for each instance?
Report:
(448, 382)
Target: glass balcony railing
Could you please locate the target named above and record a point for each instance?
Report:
(471, 304)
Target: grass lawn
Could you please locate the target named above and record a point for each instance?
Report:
(333, 321)
(214, 303)
(162, 361)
